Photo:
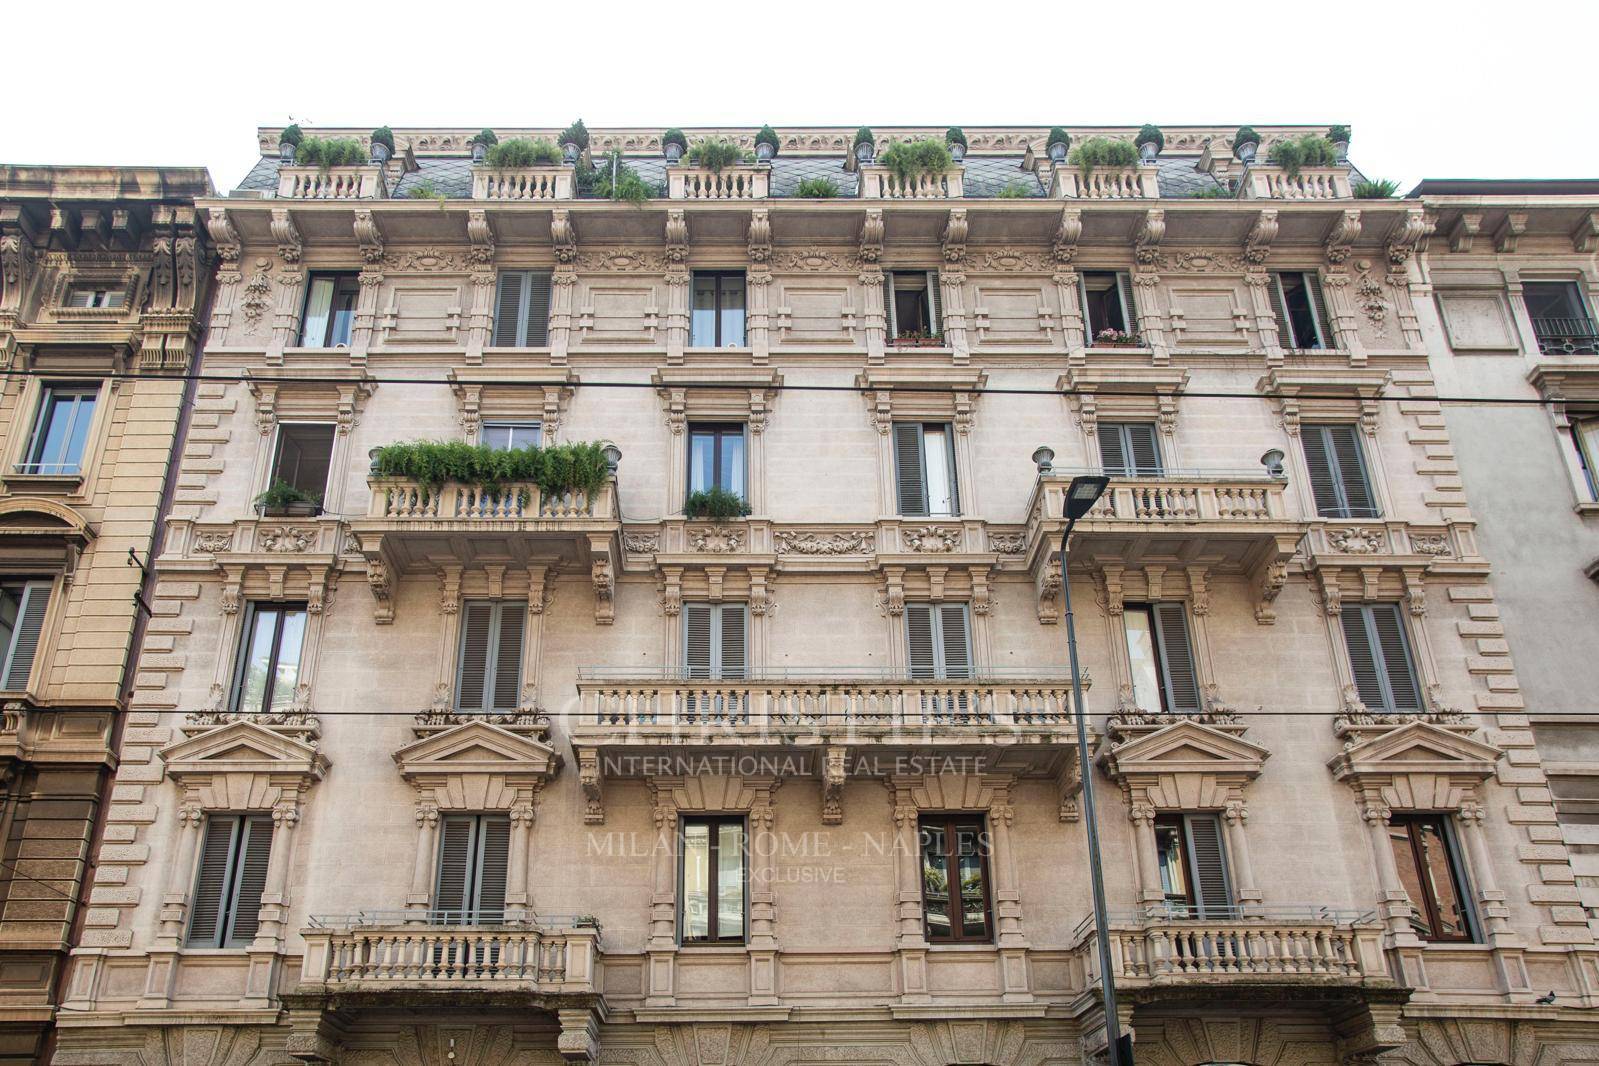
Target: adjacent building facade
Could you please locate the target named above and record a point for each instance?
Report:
(425, 767)
(103, 273)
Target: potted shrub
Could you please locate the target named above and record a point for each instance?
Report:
(1339, 136)
(1245, 143)
(765, 144)
(1117, 338)
(481, 143)
(1103, 152)
(917, 338)
(912, 159)
(522, 152)
(283, 500)
(382, 145)
(673, 145)
(719, 505)
(1058, 144)
(1375, 189)
(865, 145)
(816, 189)
(715, 154)
(955, 137)
(1150, 142)
(328, 152)
(1307, 151)
(288, 141)
(574, 141)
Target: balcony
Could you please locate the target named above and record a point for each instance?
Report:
(332, 183)
(521, 184)
(1119, 183)
(729, 183)
(1262, 181)
(1566, 336)
(881, 183)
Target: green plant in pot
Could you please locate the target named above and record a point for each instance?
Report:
(955, 137)
(522, 152)
(715, 154)
(1057, 144)
(555, 469)
(718, 505)
(481, 142)
(1295, 153)
(382, 145)
(673, 145)
(283, 500)
(574, 141)
(1245, 143)
(766, 144)
(328, 152)
(1103, 152)
(1375, 189)
(865, 145)
(1150, 142)
(910, 160)
(816, 189)
(288, 141)
(1339, 136)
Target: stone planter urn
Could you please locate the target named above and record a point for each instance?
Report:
(1057, 152)
(864, 152)
(569, 151)
(673, 152)
(286, 153)
(1148, 151)
(957, 151)
(764, 152)
(1245, 152)
(480, 151)
(380, 153)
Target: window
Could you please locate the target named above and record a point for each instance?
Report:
(939, 640)
(1560, 318)
(522, 309)
(233, 867)
(1429, 868)
(955, 903)
(1338, 477)
(1301, 314)
(924, 468)
(489, 677)
(1129, 449)
(913, 307)
(329, 310)
(304, 457)
(1379, 657)
(1585, 437)
(96, 296)
(713, 880)
(1109, 311)
(1193, 865)
(474, 855)
(1161, 658)
(714, 641)
(718, 316)
(61, 431)
(508, 435)
(269, 658)
(22, 607)
(716, 458)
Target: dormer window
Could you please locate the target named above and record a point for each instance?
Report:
(96, 296)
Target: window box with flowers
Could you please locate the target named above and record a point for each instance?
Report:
(917, 338)
(1117, 338)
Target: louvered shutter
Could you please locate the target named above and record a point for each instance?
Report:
(1144, 448)
(1211, 890)
(1124, 282)
(910, 473)
(455, 861)
(25, 640)
(211, 885)
(255, 852)
(508, 655)
(1177, 659)
(733, 659)
(508, 309)
(80, 297)
(1351, 471)
(493, 864)
(697, 640)
(1112, 456)
(1089, 325)
(1319, 461)
(1397, 667)
(935, 305)
(536, 332)
(889, 308)
(116, 298)
(477, 622)
(1279, 310)
(1324, 330)
(955, 641)
(921, 657)
(1362, 657)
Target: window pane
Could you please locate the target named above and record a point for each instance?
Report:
(343, 311)
(65, 414)
(1301, 319)
(1141, 655)
(940, 478)
(970, 848)
(1552, 299)
(730, 472)
(701, 461)
(1173, 866)
(1586, 434)
(732, 311)
(935, 882)
(305, 452)
(318, 304)
(910, 309)
(291, 641)
(10, 608)
(1411, 878)
(702, 323)
(730, 881)
(1441, 878)
(507, 435)
(257, 661)
(696, 880)
(1104, 302)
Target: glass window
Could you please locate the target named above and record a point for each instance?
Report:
(508, 435)
(1129, 449)
(716, 458)
(1193, 865)
(1145, 661)
(1338, 477)
(1425, 854)
(955, 897)
(1301, 310)
(913, 305)
(474, 859)
(96, 296)
(304, 455)
(1160, 658)
(1560, 318)
(329, 310)
(924, 469)
(22, 608)
(713, 880)
(62, 430)
(269, 658)
(1108, 306)
(1585, 435)
(718, 314)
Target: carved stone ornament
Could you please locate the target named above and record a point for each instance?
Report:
(1007, 543)
(720, 540)
(1200, 261)
(629, 260)
(1016, 260)
(1357, 540)
(815, 260)
(213, 542)
(845, 542)
(931, 539)
(642, 543)
(422, 259)
(1430, 543)
(286, 538)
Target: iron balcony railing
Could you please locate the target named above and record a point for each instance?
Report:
(1566, 336)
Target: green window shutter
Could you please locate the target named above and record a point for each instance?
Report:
(697, 640)
(254, 854)
(733, 662)
(954, 641)
(1279, 310)
(508, 309)
(1144, 446)
(910, 472)
(208, 910)
(1124, 283)
(935, 305)
(477, 626)
(537, 322)
(921, 657)
(1363, 653)
(1177, 659)
(1398, 670)
(457, 841)
(1211, 889)
(1318, 307)
(1112, 454)
(511, 617)
(492, 868)
(26, 636)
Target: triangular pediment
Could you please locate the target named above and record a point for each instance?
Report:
(1417, 746)
(1190, 747)
(477, 747)
(242, 747)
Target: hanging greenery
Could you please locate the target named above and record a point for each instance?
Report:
(554, 469)
(524, 153)
(716, 504)
(1307, 151)
(328, 152)
(911, 159)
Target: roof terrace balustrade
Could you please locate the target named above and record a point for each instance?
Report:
(881, 183)
(1072, 182)
(364, 182)
(730, 183)
(1264, 181)
(521, 184)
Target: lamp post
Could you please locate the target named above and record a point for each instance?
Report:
(1081, 495)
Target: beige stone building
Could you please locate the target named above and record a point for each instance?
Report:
(451, 767)
(102, 272)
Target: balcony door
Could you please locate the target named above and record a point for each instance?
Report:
(474, 856)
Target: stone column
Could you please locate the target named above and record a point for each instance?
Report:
(480, 320)
(873, 314)
(1071, 314)
(274, 896)
(952, 285)
(286, 314)
(758, 318)
(1234, 815)
(1016, 983)
(1146, 855)
(1259, 282)
(1395, 901)
(1341, 309)
(762, 847)
(366, 316)
(911, 940)
(564, 282)
(677, 286)
(180, 874)
(518, 894)
(662, 947)
(1479, 860)
(422, 874)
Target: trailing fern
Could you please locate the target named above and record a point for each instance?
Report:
(716, 504)
(912, 159)
(817, 189)
(523, 152)
(1102, 152)
(554, 469)
(328, 152)
(1307, 151)
(1378, 189)
(715, 153)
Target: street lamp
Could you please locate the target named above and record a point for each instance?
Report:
(1081, 495)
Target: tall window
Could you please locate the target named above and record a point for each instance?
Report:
(269, 657)
(924, 468)
(955, 896)
(489, 674)
(87, 295)
(233, 868)
(1560, 318)
(522, 309)
(718, 316)
(1109, 311)
(714, 873)
(61, 430)
(474, 855)
(715, 641)
(304, 457)
(939, 641)
(716, 457)
(1193, 864)
(1338, 477)
(1429, 868)
(913, 308)
(329, 310)
(508, 435)
(22, 608)
(1379, 657)
(1129, 449)
(1585, 438)
(1301, 313)
(1161, 658)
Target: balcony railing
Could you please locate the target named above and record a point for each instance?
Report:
(332, 183)
(1262, 181)
(1172, 496)
(410, 500)
(1100, 183)
(729, 183)
(517, 184)
(1566, 336)
(880, 183)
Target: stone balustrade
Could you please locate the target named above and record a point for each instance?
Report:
(332, 183)
(1263, 181)
(1171, 498)
(881, 183)
(518, 184)
(409, 499)
(729, 183)
(1120, 183)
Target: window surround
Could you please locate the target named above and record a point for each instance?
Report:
(1116, 586)
(936, 585)
(717, 341)
(484, 394)
(1573, 396)
(58, 578)
(1337, 585)
(492, 583)
(889, 399)
(1337, 395)
(718, 433)
(713, 918)
(1132, 394)
(339, 402)
(130, 279)
(946, 824)
(748, 398)
(76, 485)
(748, 581)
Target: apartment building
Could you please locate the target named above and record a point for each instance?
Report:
(737, 728)
(102, 274)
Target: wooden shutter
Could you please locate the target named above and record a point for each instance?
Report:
(910, 472)
(1397, 668)
(1144, 447)
(1088, 319)
(25, 639)
(1318, 307)
(1211, 890)
(935, 305)
(954, 640)
(493, 865)
(254, 853)
(697, 640)
(1112, 456)
(733, 662)
(1177, 659)
(211, 885)
(1352, 481)
(536, 326)
(507, 671)
(1124, 283)
(889, 308)
(1323, 479)
(921, 657)
(508, 309)
(455, 861)
(1279, 310)
(1362, 657)
(477, 624)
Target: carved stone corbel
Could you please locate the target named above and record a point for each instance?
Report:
(602, 572)
(671, 591)
(1257, 245)
(953, 241)
(1268, 585)
(286, 233)
(1067, 234)
(1341, 238)
(872, 235)
(592, 785)
(891, 598)
(760, 237)
(481, 233)
(1408, 235)
(369, 236)
(1585, 235)
(1511, 227)
(1109, 591)
(1464, 231)
(377, 579)
(1146, 239)
(833, 774)
(224, 235)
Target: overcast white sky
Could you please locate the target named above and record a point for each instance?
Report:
(1431, 89)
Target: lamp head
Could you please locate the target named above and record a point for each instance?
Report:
(1273, 462)
(1044, 458)
(1081, 495)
